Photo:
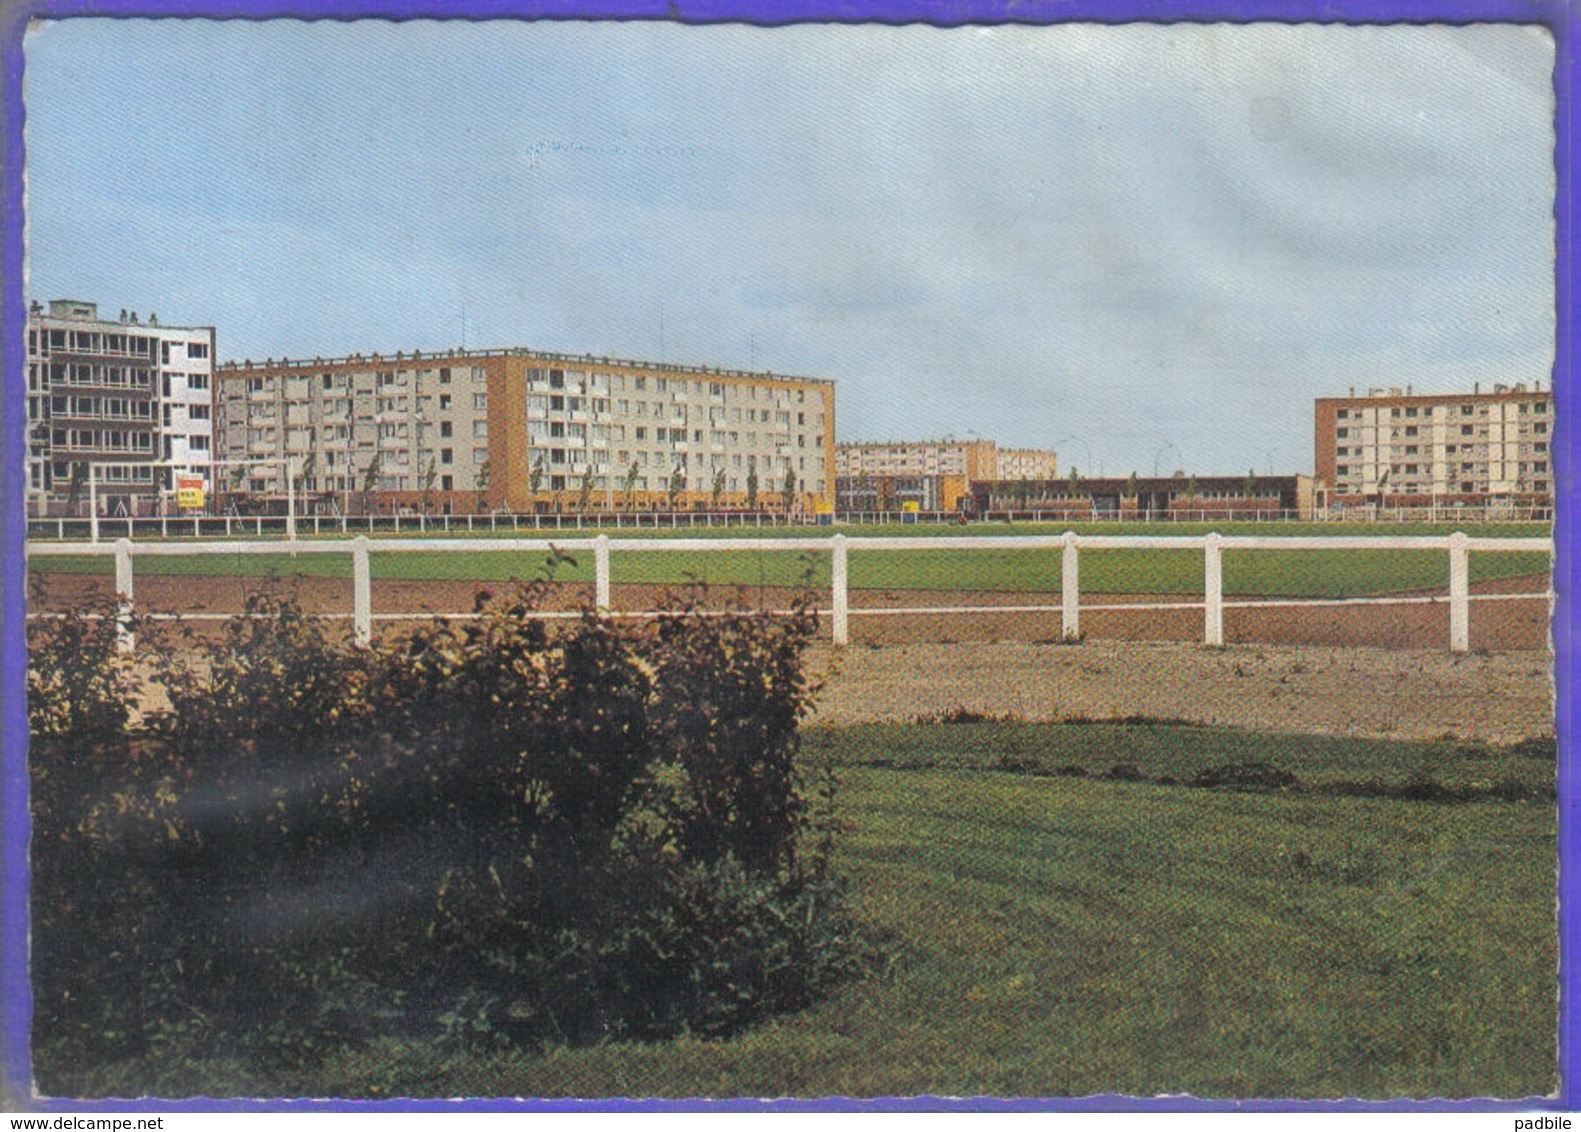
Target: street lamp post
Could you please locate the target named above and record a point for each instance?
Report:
(1088, 447)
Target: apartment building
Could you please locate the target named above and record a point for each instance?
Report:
(522, 429)
(127, 402)
(1025, 464)
(935, 475)
(974, 459)
(1400, 447)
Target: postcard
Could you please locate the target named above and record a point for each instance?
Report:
(626, 560)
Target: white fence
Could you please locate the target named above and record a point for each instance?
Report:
(83, 526)
(1458, 546)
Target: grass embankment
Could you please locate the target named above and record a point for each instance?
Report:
(1063, 933)
(1271, 573)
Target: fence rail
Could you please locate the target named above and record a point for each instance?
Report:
(1459, 547)
(164, 527)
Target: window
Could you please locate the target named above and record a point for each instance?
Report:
(1465, 430)
(1342, 433)
(480, 455)
(447, 456)
(198, 443)
(197, 381)
(444, 400)
(445, 428)
(447, 483)
(197, 349)
(1540, 428)
(480, 429)
(1411, 412)
(444, 375)
(198, 412)
(328, 382)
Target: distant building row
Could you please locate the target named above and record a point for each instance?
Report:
(138, 403)
(467, 430)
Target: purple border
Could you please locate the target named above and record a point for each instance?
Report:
(15, 995)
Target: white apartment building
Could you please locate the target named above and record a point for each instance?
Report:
(1421, 447)
(130, 397)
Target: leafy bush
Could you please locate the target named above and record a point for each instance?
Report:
(480, 831)
(78, 683)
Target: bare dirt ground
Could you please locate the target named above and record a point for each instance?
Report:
(1394, 693)
(1349, 670)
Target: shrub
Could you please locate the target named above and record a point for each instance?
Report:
(482, 831)
(78, 683)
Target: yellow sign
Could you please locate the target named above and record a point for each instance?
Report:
(189, 492)
(911, 506)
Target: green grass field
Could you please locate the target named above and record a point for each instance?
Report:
(1271, 573)
(1061, 934)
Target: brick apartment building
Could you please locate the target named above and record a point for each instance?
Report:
(521, 429)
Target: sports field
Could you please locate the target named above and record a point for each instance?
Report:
(1263, 573)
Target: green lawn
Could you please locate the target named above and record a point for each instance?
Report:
(1066, 935)
(1272, 573)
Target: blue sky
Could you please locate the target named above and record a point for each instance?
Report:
(1146, 246)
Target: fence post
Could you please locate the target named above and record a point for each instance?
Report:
(1459, 594)
(838, 584)
(1213, 591)
(362, 592)
(1070, 588)
(601, 573)
(125, 640)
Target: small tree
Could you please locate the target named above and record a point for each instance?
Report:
(430, 474)
(788, 490)
(584, 492)
(1251, 483)
(752, 483)
(535, 477)
(371, 479)
(1133, 487)
(1075, 480)
(480, 484)
(630, 486)
(677, 485)
(717, 488)
(886, 493)
(79, 474)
